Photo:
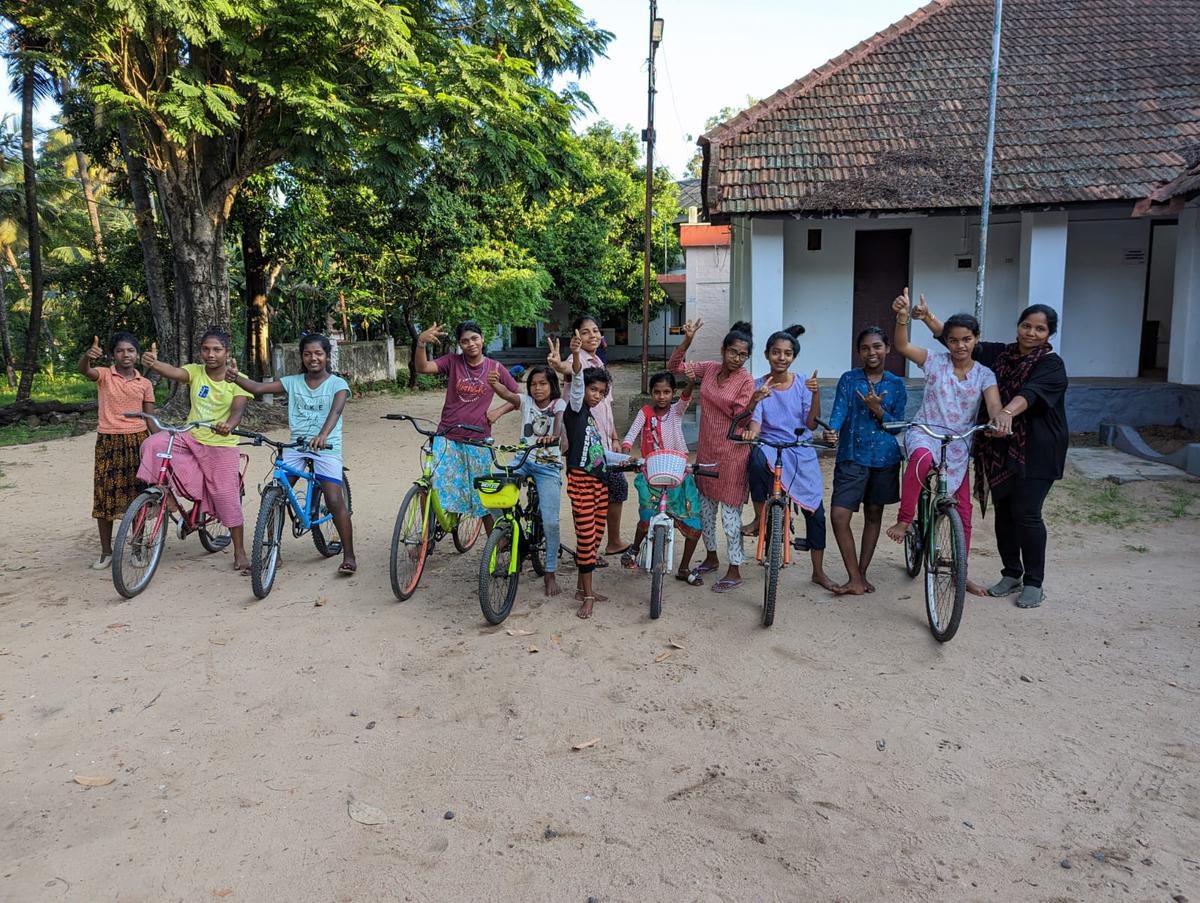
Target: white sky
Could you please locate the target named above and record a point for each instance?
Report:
(714, 53)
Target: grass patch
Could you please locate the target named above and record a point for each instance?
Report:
(67, 388)
(1141, 550)
(20, 434)
(1121, 505)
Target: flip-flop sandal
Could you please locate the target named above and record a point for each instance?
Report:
(724, 586)
(601, 562)
(629, 560)
(345, 570)
(705, 568)
(692, 578)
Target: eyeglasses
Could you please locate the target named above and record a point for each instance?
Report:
(737, 355)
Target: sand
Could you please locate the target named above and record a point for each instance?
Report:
(840, 755)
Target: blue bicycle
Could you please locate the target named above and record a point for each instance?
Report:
(307, 511)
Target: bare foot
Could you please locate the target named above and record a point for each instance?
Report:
(585, 610)
(552, 587)
(242, 567)
(975, 589)
(896, 531)
(580, 597)
(821, 580)
(869, 585)
(750, 529)
(851, 588)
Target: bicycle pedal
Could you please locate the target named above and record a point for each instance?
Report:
(800, 544)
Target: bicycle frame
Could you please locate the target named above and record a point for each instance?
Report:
(433, 503)
(280, 475)
(777, 497)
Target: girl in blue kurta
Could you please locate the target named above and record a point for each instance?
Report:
(784, 408)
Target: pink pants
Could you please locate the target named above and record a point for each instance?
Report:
(919, 463)
(205, 473)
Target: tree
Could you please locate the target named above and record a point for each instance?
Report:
(695, 166)
(217, 90)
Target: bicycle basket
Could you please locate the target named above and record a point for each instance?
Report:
(665, 469)
(498, 491)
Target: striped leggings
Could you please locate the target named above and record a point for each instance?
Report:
(589, 508)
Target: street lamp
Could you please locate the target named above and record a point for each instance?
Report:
(656, 28)
(656, 34)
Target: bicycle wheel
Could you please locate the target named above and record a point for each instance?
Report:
(410, 543)
(534, 542)
(331, 545)
(466, 531)
(658, 569)
(214, 536)
(498, 577)
(268, 533)
(914, 543)
(774, 561)
(946, 575)
(139, 544)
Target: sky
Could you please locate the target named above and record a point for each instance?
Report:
(714, 53)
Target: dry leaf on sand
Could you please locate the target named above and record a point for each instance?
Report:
(321, 600)
(675, 644)
(97, 781)
(520, 632)
(532, 648)
(663, 656)
(364, 813)
(586, 744)
(223, 892)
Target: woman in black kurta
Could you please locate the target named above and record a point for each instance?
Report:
(1019, 469)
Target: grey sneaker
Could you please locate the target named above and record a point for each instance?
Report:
(1006, 587)
(1031, 597)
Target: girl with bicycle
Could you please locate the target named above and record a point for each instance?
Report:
(205, 461)
(119, 388)
(867, 471)
(954, 385)
(587, 470)
(593, 354)
(781, 409)
(659, 426)
(316, 399)
(725, 390)
(472, 381)
(542, 424)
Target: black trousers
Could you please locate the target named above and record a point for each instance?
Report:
(1020, 531)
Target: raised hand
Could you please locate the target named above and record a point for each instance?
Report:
(762, 391)
(873, 400)
(95, 352)
(150, 358)
(231, 370)
(811, 383)
(689, 370)
(901, 305)
(921, 311)
(576, 342)
(553, 357)
(691, 327)
(434, 333)
(493, 376)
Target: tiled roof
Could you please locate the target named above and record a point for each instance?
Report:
(1099, 100)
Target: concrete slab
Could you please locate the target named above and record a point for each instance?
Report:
(1118, 466)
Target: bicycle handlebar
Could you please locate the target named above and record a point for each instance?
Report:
(431, 434)
(260, 439)
(734, 435)
(895, 426)
(524, 450)
(187, 427)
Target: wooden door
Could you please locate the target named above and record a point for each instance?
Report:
(881, 271)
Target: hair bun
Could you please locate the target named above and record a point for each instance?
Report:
(742, 326)
(794, 330)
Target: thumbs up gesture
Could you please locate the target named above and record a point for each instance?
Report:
(811, 383)
(150, 358)
(95, 352)
(576, 342)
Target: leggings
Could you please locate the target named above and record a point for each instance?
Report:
(1020, 532)
(731, 522)
(589, 508)
(919, 463)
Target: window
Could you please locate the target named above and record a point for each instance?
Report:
(814, 239)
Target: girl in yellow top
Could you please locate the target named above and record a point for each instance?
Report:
(205, 461)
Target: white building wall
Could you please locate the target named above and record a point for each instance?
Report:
(1105, 295)
(659, 330)
(708, 298)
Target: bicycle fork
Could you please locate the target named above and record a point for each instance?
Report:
(514, 546)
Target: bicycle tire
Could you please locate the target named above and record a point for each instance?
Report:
(214, 536)
(466, 531)
(498, 579)
(914, 547)
(328, 546)
(268, 536)
(658, 570)
(946, 575)
(535, 545)
(411, 534)
(774, 561)
(136, 555)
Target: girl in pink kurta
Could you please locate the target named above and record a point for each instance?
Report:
(725, 390)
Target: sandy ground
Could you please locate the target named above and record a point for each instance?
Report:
(840, 755)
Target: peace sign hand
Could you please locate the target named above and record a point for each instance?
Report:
(691, 327)
(95, 352)
(553, 357)
(763, 391)
(873, 401)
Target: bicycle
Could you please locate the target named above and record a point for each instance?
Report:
(142, 535)
(421, 521)
(775, 522)
(516, 533)
(656, 555)
(279, 499)
(936, 539)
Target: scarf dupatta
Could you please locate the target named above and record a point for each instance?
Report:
(999, 460)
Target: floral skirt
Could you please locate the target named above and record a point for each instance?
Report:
(115, 484)
(455, 467)
(683, 504)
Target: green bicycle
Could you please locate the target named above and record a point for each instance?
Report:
(936, 539)
(422, 521)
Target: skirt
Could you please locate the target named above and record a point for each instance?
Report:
(115, 484)
(206, 474)
(683, 504)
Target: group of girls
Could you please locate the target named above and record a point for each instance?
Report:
(1017, 461)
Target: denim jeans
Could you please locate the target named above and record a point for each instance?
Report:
(549, 487)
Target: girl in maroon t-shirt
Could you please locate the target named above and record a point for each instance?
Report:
(472, 380)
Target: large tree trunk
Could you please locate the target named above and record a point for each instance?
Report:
(25, 387)
(147, 233)
(196, 221)
(5, 335)
(254, 262)
(85, 182)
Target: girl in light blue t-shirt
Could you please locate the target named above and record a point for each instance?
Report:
(316, 398)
